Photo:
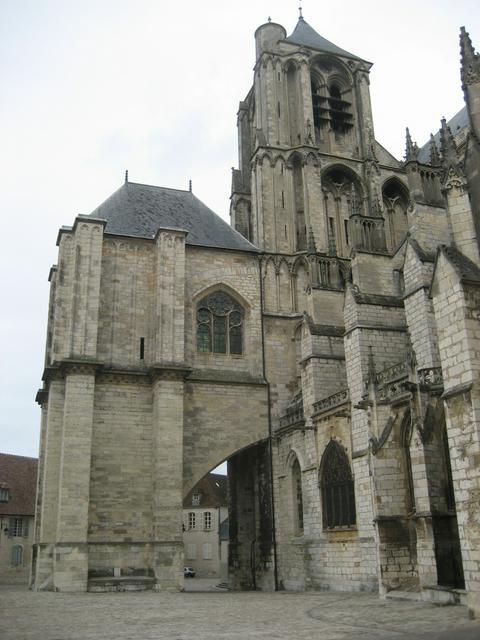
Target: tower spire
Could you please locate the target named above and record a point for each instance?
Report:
(300, 17)
(411, 150)
(448, 147)
(470, 60)
(434, 154)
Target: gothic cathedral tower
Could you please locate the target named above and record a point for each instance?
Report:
(308, 175)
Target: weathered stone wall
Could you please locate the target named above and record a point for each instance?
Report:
(220, 419)
(316, 557)
(121, 469)
(128, 295)
(429, 226)
(456, 312)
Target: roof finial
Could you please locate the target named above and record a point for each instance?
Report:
(269, 19)
(448, 148)
(470, 60)
(411, 151)
(190, 186)
(126, 175)
(300, 17)
(434, 155)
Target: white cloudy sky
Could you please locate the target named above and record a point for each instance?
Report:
(91, 88)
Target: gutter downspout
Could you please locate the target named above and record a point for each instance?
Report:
(270, 433)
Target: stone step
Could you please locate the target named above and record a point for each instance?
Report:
(435, 595)
(120, 583)
(398, 594)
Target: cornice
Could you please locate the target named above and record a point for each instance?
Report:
(169, 371)
(41, 396)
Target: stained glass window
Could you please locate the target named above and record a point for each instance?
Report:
(338, 494)
(219, 325)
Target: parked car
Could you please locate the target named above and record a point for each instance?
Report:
(188, 572)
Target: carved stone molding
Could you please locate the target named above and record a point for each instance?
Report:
(123, 377)
(79, 367)
(335, 400)
(430, 377)
(169, 372)
(52, 373)
(41, 396)
(454, 180)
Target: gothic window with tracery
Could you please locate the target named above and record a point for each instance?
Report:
(338, 494)
(220, 325)
(395, 204)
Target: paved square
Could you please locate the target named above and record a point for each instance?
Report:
(26, 615)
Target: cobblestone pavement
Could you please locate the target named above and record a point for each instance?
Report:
(221, 615)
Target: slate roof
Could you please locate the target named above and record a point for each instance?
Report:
(457, 123)
(375, 299)
(425, 256)
(213, 490)
(304, 34)
(141, 209)
(467, 270)
(18, 474)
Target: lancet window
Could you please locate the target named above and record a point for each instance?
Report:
(297, 496)
(343, 198)
(338, 494)
(220, 325)
(331, 98)
(395, 203)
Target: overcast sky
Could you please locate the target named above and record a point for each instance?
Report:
(91, 88)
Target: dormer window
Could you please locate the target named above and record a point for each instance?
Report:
(4, 495)
(196, 497)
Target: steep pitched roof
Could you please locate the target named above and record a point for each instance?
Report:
(456, 124)
(19, 475)
(304, 34)
(140, 210)
(212, 489)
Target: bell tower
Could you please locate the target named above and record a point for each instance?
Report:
(307, 151)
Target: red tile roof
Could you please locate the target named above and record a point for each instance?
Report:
(18, 474)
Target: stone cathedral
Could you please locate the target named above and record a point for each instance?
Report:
(326, 344)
